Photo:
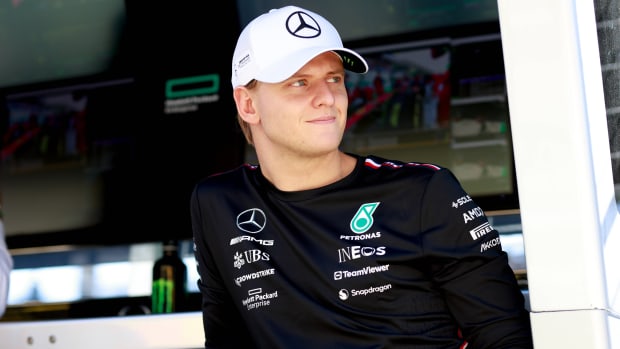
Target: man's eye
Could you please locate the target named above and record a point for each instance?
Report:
(298, 83)
(335, 79)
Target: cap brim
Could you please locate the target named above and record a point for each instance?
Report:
(352, 61)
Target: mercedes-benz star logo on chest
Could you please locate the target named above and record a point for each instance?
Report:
(252, 220)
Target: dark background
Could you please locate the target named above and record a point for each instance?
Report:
(139, 163)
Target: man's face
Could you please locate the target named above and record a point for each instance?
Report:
(305, 114)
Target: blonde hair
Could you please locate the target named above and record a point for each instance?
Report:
(245, 128)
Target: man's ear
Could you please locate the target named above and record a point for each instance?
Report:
(245, 105)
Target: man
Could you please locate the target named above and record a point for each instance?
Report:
(317, 248)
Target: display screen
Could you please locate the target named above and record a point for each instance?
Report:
(433, 101)
(58, 147)
(92, 164)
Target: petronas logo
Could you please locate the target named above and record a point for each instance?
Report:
(362, 221)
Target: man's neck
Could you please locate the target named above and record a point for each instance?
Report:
(304, 173)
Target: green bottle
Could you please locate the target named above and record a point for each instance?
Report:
(169, 293)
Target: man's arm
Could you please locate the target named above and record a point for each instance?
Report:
(471, 268)
(223, 326)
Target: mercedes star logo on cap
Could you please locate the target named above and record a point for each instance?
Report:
(302, 25)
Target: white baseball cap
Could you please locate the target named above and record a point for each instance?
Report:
(276, 44)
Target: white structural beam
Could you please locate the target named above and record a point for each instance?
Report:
(561, 147)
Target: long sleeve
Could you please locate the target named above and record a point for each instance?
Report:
(471, 268)
(222, 322)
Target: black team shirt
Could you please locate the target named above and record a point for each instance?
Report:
(395, 255)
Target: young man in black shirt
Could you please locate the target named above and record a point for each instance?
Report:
(317, 248)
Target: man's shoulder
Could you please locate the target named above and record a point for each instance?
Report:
(373, 162)
(232, 178)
